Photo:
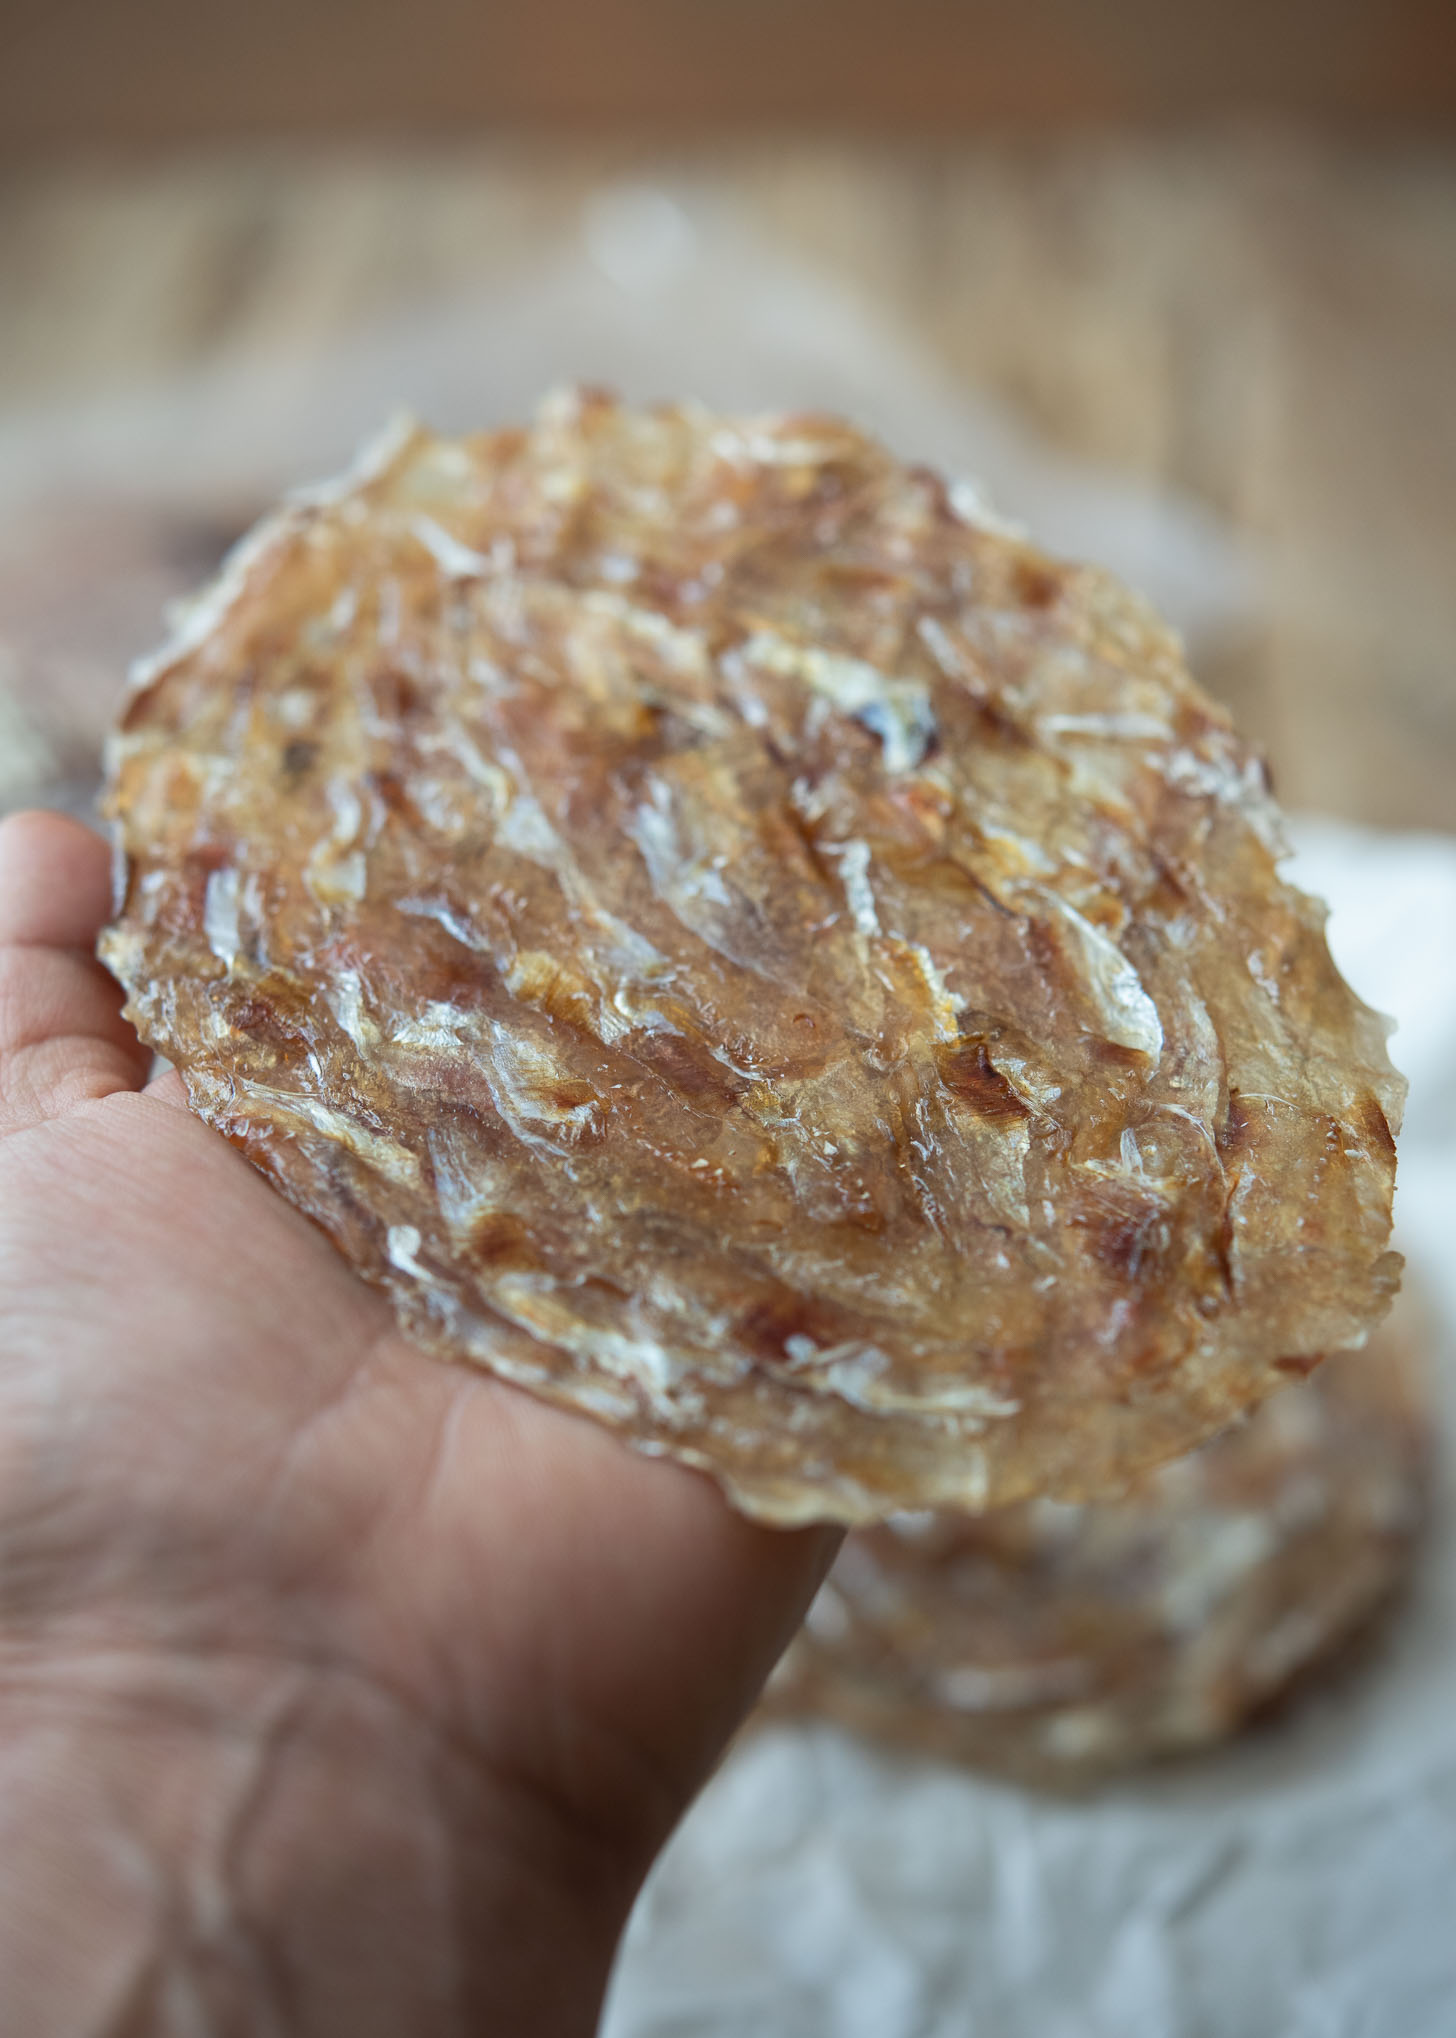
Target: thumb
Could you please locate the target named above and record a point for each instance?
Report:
(63, 1040)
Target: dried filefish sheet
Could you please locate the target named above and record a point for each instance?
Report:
(1056, 1643)
(743, 947)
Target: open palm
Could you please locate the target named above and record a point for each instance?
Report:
(345, 1689)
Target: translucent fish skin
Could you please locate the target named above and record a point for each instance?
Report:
(746, 952)
(1059, 1644)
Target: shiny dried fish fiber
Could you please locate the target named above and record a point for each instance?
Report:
(1058, 1643)
(742, 947)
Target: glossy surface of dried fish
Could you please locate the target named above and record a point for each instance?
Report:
(1056, 1644)
(744, 948)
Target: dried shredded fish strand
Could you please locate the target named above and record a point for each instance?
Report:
(747, 951)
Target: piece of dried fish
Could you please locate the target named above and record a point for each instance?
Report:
(745, 949)
(1058, 1643)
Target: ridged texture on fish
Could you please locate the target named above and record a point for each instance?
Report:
(742, 946)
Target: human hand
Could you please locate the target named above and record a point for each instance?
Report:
(340, 1690)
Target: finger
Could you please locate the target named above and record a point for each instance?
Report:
(55, 882)
(169, 1087)
(63, 1040)
(675, 1607)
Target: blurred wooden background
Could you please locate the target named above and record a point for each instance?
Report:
(147, 71)
(1258, 305)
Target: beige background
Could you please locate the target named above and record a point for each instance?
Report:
(1261, 315)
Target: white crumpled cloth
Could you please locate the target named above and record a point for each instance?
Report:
(1300, 1884)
